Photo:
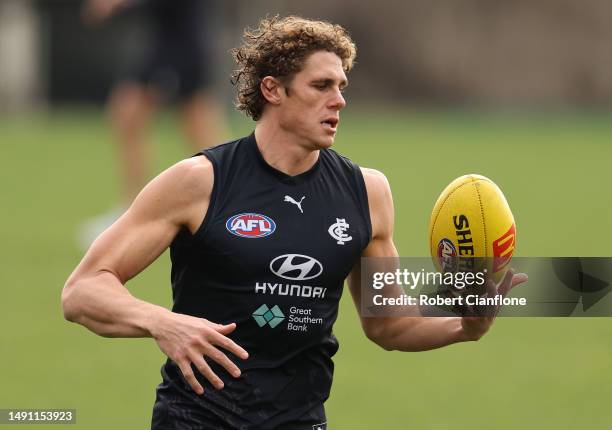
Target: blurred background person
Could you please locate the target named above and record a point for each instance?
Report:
(177, 67)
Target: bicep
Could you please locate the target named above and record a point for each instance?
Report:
(380, 202)
(382, 245)
(175, 199)
(377, 248)
(128, 246)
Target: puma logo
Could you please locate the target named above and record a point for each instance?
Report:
(291, 200)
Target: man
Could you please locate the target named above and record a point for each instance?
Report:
(178, 65)
(263, 232)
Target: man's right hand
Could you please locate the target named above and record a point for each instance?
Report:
(186, 339)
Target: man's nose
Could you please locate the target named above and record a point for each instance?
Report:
(338, 101)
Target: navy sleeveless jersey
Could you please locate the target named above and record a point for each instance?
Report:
(272, 255)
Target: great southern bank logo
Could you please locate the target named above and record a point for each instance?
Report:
(250, 225)
(264, 315)
(296, 267)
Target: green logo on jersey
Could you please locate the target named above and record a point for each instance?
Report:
(264, 315)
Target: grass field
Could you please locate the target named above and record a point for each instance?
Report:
(58, 169)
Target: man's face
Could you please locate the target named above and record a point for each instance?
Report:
(312, 100)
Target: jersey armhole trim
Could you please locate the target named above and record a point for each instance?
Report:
(201, 231)
(365, 205)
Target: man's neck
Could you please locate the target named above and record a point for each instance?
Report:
(283, 150)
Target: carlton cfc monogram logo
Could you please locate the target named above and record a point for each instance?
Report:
(250, 225)
(337, 231)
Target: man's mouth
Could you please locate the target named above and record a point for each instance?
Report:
(331, 123)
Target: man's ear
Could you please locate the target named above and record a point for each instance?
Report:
(271, 88)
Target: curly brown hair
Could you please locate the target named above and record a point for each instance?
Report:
(278, 48)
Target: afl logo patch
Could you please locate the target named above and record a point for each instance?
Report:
(250, 225)
(447, 255)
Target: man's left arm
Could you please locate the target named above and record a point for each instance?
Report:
(410, 333)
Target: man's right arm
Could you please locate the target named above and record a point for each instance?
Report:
(95, 296)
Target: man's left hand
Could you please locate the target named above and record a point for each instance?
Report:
(474, 327)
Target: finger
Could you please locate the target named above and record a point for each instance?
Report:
(505, 282)
(185, 367)
(490, 310)
(517, 279)
(491, 288)
(229, 345)
(508, 277)
(223, 360)
(226, 329)
(204, 369)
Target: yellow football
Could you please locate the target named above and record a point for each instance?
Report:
(472, 219)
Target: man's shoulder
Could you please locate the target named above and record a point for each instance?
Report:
(195, 176)
(373, 174)
(224, 146)
(375, 180)
(380, 201)
(332, 154)
(378, 189)
(370, 175)
(184, 183)
(227, 157)
(179, 194)
(191, 172)
(376, 183)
